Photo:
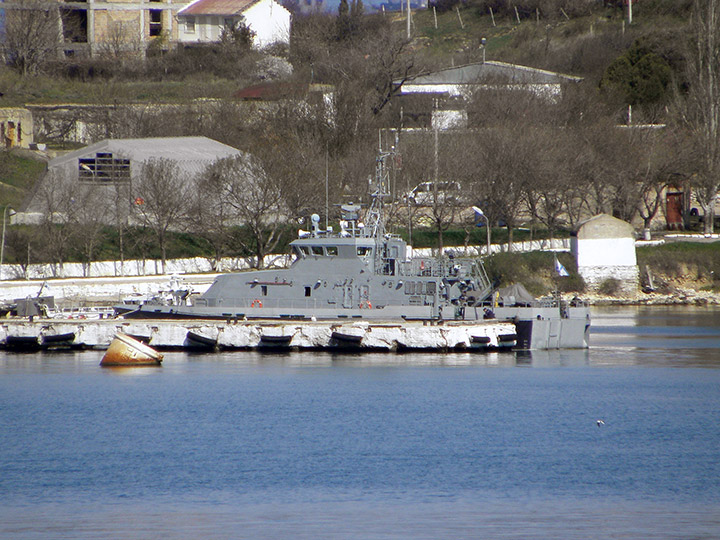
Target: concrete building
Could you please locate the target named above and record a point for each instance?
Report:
(203, 21)
(604, 248)
(109, 168)
(116, 27)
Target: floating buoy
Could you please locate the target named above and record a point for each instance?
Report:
(127, 351)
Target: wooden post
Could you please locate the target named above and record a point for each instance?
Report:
(492, 16)
(517, 15)
(462, 26)
(435, 17)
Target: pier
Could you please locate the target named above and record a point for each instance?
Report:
(53, 334)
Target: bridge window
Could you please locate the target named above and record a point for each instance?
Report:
(317, 250)
(331, 251)
(362, 251)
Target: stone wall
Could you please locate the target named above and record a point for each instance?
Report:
(594, 276)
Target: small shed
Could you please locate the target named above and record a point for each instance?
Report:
(604, 248)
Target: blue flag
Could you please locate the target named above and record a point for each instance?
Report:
(560, 269)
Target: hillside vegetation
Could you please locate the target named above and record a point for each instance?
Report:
(533, 165)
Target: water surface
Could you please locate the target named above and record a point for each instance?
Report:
(309, 445)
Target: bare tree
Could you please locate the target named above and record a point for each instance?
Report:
(32, 35)
(576, 163)
(702, 111)
(255, 199)
(546, 183)
(118, 41)
(211, 215)
(21, 247)
(56, 203)
(428, 160)
(161, 199)
(502, 164)
(90, 210)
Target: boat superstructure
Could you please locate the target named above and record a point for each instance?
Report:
(360, 271)
(364, 272)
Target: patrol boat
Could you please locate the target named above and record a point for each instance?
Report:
(364, 272)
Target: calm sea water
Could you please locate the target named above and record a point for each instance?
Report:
(245, 445)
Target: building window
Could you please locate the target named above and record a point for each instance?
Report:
(190, 25)
(155, 22)
(103, 168)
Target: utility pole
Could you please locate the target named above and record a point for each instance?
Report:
(408, 19)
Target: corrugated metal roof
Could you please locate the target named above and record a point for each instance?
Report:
(217, 7)
(496, 72)
(191, 154)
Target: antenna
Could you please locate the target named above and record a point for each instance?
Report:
(327, 196)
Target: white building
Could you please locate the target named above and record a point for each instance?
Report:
(604, 248)
(203, 21)
(462, 81)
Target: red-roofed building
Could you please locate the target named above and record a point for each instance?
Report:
(203, 21)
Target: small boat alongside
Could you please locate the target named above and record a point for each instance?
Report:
(127, 351)
(346, 339)
(269, 341)
(41, 341)
(507, 340)
(22, 343)
(58, 341)
(198, 341)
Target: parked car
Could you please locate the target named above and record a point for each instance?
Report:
(429, 193)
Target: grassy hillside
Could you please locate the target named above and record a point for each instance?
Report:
(19, 171)
(582, 42)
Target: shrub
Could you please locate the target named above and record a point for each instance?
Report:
(571, 283)
(610, 287)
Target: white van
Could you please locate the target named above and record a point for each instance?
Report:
(429, 193)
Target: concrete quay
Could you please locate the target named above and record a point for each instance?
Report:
(51, 334)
